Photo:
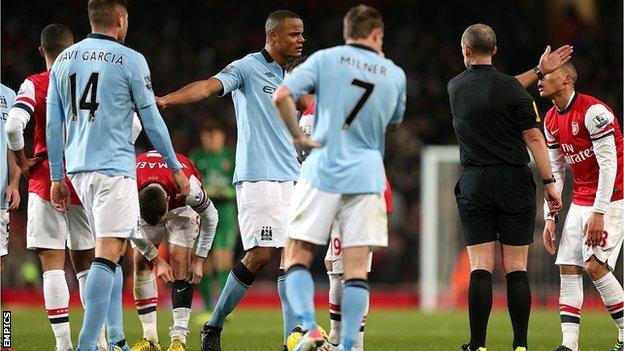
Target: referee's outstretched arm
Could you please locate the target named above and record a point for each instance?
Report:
(537, 145)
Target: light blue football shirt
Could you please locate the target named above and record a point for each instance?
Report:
(264, 148)
(96, 85)
(358, 93)
(7, 98)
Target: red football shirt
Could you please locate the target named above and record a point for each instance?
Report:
(152, 168)
(573, 130)
(31, 97)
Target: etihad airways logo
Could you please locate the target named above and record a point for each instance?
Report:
(572, 158)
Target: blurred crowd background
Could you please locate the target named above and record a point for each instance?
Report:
(188, 40)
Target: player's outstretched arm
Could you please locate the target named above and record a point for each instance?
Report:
(190, 93)
(549, 62)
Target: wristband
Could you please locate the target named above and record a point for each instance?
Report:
(539, 73)
(549, 180)
(554, 216)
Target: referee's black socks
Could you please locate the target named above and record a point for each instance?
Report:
(479, 306)
(519, 304)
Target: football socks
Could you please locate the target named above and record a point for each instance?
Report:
(519, 305)
(354, 305)
(146, 300)
(300, 293)
(236, 286)
(97, 294)
(289, 318)
(335, 310)
(114, 319)
(613, 298)
(56, 299)
(182, 298)
(479, 306)
(570, 303)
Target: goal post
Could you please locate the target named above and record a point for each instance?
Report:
(437, 162)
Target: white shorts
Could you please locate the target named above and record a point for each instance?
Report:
(4, 232)
(48, 228)
(180, 228)
(361, 218)
(334, 253)
(263, 212)
(111, 203)
(572, 249)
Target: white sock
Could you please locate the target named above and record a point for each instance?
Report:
(56, 298)
(146, 300)
(570, 303)
(82, 278)
(181, 316)
(335, 312)
(613, 298)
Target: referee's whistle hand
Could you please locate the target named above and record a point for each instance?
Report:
(553, 199)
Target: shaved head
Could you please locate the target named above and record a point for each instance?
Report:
(55, 38)
(275, 20)
(480, 38)
(568, 68)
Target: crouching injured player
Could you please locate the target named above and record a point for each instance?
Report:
(163, 218)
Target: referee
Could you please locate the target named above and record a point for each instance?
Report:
(495, 119)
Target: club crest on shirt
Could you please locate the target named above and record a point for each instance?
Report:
(3, 102)
(601, 120)
(148, 82)
(575, 128)
(227, 69)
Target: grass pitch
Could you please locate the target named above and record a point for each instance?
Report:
(387, 330)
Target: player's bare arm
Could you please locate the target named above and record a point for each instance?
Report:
(287, 109)
(191, 93)
(12, 195)
(24, 163)
(549, 62)
(536, 144)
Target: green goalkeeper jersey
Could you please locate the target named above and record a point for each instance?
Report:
(217, 171)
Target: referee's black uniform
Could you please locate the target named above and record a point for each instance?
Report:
(496, 192)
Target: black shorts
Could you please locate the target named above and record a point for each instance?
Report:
(497, 203)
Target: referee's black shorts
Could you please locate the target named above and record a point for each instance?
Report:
(496, 203)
